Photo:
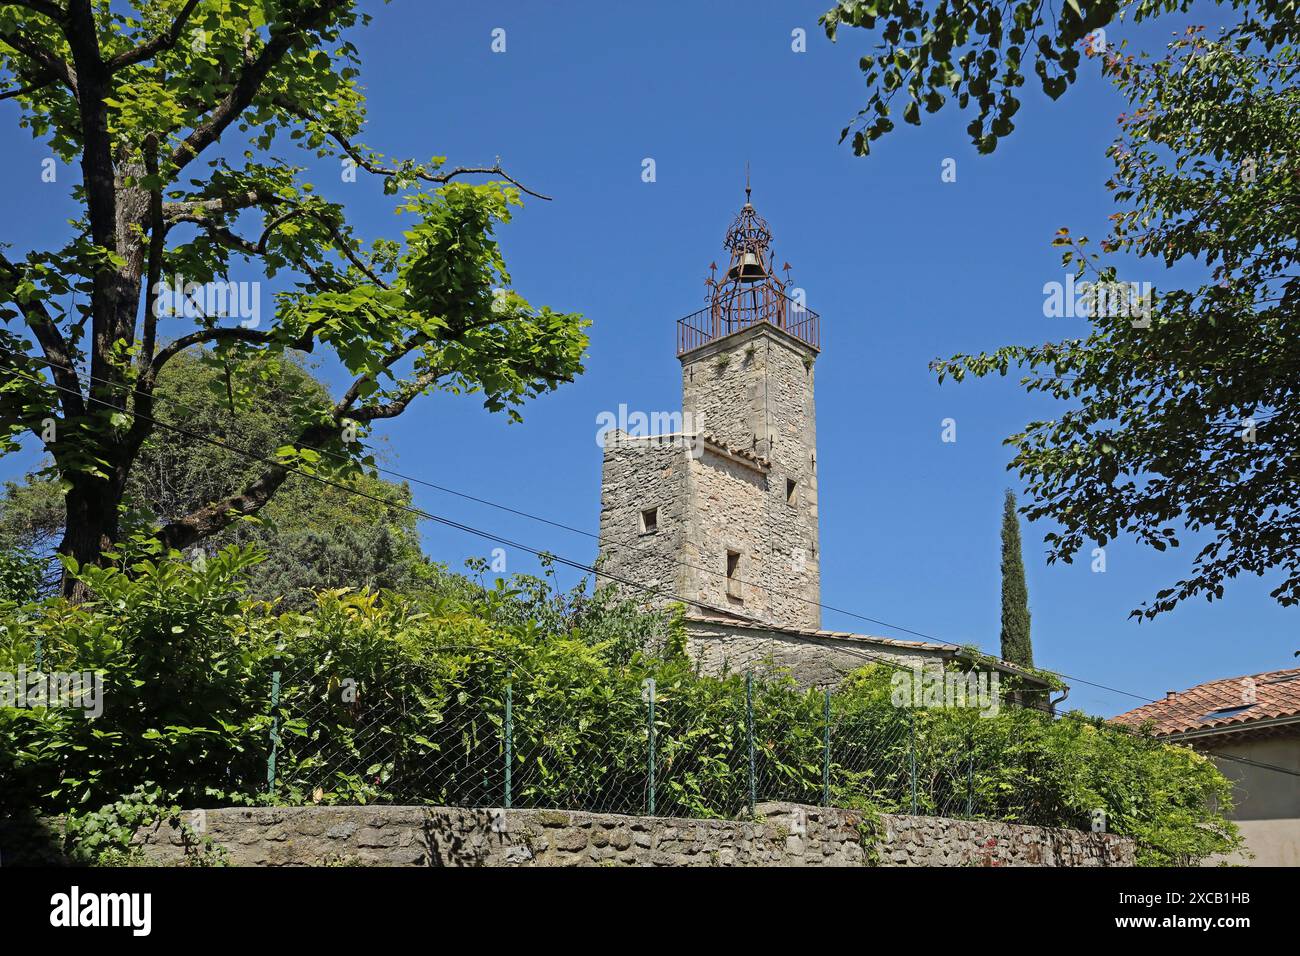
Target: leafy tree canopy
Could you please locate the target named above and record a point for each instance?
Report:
(1184, 410)
(138, 96)
(977, 53)
(313, 536)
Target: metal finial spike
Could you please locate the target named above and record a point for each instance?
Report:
(747, 190)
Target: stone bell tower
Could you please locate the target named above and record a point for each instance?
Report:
(722, 512)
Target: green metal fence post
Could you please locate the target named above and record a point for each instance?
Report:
(749, 734)
(510, 730)
(970, 780)
(911, 729)
(650, 727)
(401, 766)
(275, 729)
(826, 755)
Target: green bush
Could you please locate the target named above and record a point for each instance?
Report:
(183, 665)
(20, 577)
(106, 837)
(401, 698)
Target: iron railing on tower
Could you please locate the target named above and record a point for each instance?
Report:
(744, 308)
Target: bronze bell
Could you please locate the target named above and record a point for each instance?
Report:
(748, 269)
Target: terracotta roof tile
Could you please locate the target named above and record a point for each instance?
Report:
(1228, 702)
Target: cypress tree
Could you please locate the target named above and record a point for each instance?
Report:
(1016, 647)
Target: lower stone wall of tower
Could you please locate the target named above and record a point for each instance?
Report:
(726, 501)
(639, 474)
(811, 660)
(736, 507)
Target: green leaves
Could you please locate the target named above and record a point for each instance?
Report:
(406, 316)
(170, 645)
(20, 577)
(957, 47)
(1184, 411)
(452, 261)
(1016, 645)
(400, 698)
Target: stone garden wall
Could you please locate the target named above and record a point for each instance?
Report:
(783, 835)
(938, 841)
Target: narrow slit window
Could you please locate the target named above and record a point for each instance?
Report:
(791, 491)
(733, 574)
(649, 520)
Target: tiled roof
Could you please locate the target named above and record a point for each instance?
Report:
(1228, 703)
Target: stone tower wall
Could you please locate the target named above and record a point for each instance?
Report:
(752, 394)
(753, 390)
(727, 506)
(641, 473)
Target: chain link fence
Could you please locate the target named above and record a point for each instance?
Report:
(478, 731)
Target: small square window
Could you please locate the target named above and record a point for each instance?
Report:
(733, 575)
(791, 491)
(649, 520)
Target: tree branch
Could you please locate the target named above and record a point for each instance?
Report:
(211, 518)
(228, 238)
(397, 405)
(221, 234)
(203, 336)
(143, 394)
(192, 210)
(44, 7)
(114, 295)
(157, 246)
(249, 82)
(369, 165)
(164, 41)
(51, 342)
(395, 356)
(29, 88)
(51, 64)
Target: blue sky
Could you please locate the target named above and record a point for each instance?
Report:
(902, 267)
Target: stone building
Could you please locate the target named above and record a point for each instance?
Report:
(717, 508)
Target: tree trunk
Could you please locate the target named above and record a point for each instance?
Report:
(91, 529)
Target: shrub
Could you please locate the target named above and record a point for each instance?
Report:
(183, 666)
(401, 698)
(20, 577)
